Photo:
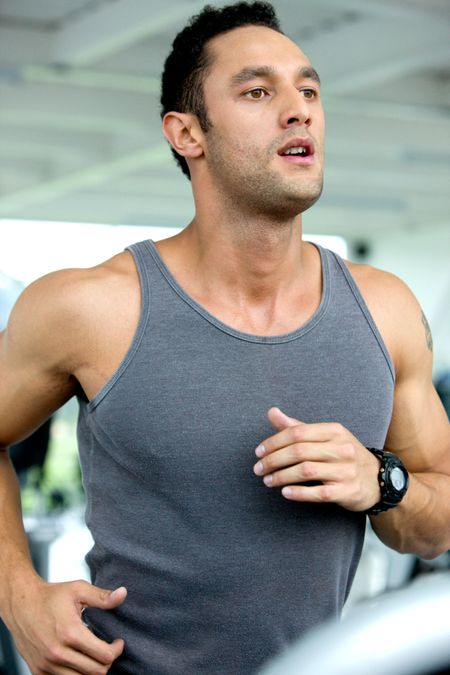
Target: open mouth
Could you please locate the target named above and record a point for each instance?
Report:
(298, 148)
(301, 152)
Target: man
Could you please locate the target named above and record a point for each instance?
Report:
(231, 380)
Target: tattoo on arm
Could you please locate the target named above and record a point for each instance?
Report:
(427, 332)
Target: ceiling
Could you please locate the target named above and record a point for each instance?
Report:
(80, 135)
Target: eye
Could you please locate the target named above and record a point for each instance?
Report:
(256, 94)
(308, 93)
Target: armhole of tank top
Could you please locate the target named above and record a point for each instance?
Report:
(139, 261)
(365, 310)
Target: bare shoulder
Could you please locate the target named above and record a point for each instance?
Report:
(383, 288)
(68, 330)
(58, 313)
(397, 314)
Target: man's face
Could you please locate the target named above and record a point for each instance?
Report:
(265, 146)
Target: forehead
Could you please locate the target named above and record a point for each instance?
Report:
(250, 46)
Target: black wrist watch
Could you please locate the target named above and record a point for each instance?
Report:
(393, 480)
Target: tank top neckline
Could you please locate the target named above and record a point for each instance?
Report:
(304, 328)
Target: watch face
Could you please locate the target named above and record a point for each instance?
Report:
(398, 478)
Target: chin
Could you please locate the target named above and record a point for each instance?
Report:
(302, 201)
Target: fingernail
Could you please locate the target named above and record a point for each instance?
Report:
(268, 480)
(286, 492)
(258, 468)
(260, 451)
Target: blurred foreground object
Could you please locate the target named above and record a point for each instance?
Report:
(402, 633)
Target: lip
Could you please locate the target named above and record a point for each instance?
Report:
(299, 142)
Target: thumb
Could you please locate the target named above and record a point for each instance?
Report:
(280, 420)
(93, 596)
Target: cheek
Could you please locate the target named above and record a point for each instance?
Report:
(237, 146)
(253, 156)
(239, 149)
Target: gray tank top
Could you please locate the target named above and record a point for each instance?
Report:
(222, 572)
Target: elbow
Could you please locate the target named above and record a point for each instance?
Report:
(432, 552)
(418, 544)
(426, 549)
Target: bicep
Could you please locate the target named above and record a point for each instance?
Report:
(419, 431)
(28, 395)
(31, 385)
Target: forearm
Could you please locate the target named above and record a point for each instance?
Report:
(16, 568)
(420, 524)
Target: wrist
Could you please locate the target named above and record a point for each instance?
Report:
(393, 481)
(16, 585)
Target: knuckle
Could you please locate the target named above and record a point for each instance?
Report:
(68, 635)
(297, 433)
(268, 464)
(326, 493)
(103, 596)
(352, 472)
(308, 470)
(297, 451)
(79, 587)
(109, 655)
(348, 451)
(55, 653)
(274, 479)
(336, 428)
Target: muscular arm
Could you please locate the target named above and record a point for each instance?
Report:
(31, 388)
(39, 352)
(419, 434)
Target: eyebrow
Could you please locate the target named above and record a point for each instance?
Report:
(252, 72)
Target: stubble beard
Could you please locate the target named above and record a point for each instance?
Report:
(246, 179)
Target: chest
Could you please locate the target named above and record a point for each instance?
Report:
(191, 386)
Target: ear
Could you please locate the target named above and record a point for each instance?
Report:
(183, 133)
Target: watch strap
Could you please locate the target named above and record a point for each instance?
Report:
(390, 497)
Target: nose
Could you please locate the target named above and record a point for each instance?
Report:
(295, 109)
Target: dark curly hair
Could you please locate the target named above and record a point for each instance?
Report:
(188, 62)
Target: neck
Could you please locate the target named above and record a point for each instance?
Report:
(247, 258)
(254, 273)
(253, 251)
(254, 242)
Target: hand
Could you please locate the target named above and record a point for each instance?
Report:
(49, 633)
(325, 453)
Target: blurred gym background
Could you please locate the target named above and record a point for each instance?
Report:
(84, 171)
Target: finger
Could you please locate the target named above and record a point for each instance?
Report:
(82, 652)
(99, 650)
(295, 454)
(317, 493)
(66, 660)
(317, 472)
(89, 595)
(280, 420)
(300, 433)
